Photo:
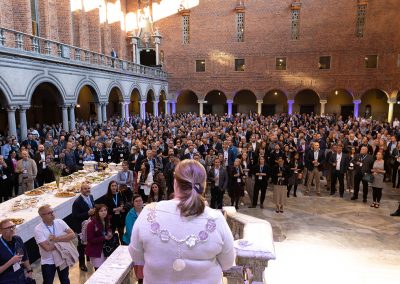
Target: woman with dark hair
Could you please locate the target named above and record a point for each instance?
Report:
(181, 238)
(12, 168)
(115, 202)
(296, 168)
(145, 180)
(156, 193)
(280, 180)
(236, 190)
(98, 230)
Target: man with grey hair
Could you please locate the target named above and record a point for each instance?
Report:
(27, 169)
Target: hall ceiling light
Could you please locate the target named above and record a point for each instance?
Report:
(275, 93)
(336, 93)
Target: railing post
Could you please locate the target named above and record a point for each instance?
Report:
(47, 47)
(87, 56)
(19, 41)
(59, 49)
(102, 59)
(95, 61)
(77, 54)
(35, 44)
(2, 37)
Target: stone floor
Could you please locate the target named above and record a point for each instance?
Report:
(326, 240)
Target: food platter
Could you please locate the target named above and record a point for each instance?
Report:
(65, 194)
(34, 192)
(24, 204)
(17, 221)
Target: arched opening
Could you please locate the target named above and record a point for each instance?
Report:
(148, 57)
(274, 101)
(244, 102)
(187, 102)
(3, 114)
(134, 106)
(307, 101)
(149, 102)
(340, 102)
(45, 105)
(161, 102)
(374, 103)
(216, 103)
(86, 105)
(114, 103)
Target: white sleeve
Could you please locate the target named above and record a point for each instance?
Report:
(39, 235)
(226, 257)
(61, 224)
(136, 245)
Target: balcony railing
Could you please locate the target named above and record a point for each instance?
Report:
(50, 49)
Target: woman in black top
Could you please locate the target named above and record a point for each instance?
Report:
(295, 175)
(280, 177)
(237, 183)
(115, 202)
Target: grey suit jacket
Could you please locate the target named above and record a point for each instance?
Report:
(223, 178)
(121, 179)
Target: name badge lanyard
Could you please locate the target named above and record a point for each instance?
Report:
(116, 200)
(8, 248)
(54, 229)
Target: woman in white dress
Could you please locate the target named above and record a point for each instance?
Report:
(181, 240)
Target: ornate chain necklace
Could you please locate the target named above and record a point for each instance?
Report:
(190, 240)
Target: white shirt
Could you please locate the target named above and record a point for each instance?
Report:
(316, 155)
(216, 175)
(338, 160)
(42, 233)
(226, 158)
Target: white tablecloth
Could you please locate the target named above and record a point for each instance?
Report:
(115, 269)
(62, 208)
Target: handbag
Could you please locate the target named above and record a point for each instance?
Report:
(368, 178)
(110, 245)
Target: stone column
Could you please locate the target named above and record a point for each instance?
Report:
(155, 108)
(290, 106)
(259, 106)
(356, 107)
(22, 121)
(142, 109)
(65, 117)
(166, 102)
(229, 102)
(104, 111)
(201, 107)
(391, 103)
(173, 103)
(99, 113)
(12, 125)
(127, 111)
(323, 103)
(72, 116)
(123, 115)
(157, 41)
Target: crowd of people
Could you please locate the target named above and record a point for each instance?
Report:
(240, 154)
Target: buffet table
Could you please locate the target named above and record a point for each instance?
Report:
(62, 207)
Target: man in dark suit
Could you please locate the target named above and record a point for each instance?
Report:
(339, 162)
(363, 165)
(82, 209)
(314, 161)
(218, 178)
(44, 174)
(261, 183)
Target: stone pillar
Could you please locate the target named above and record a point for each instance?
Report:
(173, 104)
(157, 41)
(123, 115)
(99, 113)
(72, 116)
(104, 111)
(356, 107)
(201, 107)
(229, 102)
(323, 103)
(142, 109)
(12, 125)
(155, 108)
(127, 111)
(22, 121)
(290, 106)
(259, 106)
(166, 102)
(65, 117)
(391, 103)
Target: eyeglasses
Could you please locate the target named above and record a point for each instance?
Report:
(13, 227)
(48, 213)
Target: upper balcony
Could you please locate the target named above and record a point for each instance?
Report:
(17, 43)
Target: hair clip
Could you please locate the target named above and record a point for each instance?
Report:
(197, 187)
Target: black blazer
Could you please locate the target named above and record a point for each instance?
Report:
(309, 158)
(265, 170)
(80, 212)
(344, 162)
(366, 164)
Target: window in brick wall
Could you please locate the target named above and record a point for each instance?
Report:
(240, 27)
(371, 61)
(324, 62)
(200, 65)
(295, 30)
(239, 65)
(361, 13)
(186, 29)
(35, 17)
(280, 63)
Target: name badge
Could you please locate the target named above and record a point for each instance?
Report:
(44, 165)
(80, 161)
(101, 159)
(56, 156)
(24, 171)
(16, 266)
(109, 157)
(4, 177)
(239, 180)
(260, 177)
(121, 155)
(351, 165)
(360, 164)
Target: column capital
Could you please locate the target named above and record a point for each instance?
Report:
(24, 107)
(392, 100)
(103, 103)
(323, 101)
(72, 105)
(12, 108)
(142, 102)
(156, 102)
(290, 102)
(172, 101)
(356, 102)
(259, 101)
(166, 101)
(201, 101)
(229, 101)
